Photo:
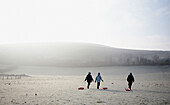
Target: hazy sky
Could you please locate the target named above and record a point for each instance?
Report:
(134, 24)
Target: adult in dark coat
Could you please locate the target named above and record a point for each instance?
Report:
(89, 79)
(130, 80)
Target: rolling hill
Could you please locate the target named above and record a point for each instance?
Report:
(77, 54)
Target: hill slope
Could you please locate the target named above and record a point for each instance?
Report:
(77, 54)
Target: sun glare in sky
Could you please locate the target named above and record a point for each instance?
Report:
(133, 24)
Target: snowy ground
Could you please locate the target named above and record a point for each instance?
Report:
(148, 89)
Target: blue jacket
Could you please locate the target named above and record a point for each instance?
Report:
(98, 78)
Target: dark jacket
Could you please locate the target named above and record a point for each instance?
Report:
(130, 78)
(89, 78)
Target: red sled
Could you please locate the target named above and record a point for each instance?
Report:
(127, 89)
(80, 88)
(105, 88)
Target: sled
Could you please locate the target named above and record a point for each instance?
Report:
(105, 88)
(127, 89)
(81, 88)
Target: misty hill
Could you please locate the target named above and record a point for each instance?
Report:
(77, 54)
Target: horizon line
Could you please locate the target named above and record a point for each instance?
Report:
(102, 44)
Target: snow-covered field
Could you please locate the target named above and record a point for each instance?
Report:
(150, 88)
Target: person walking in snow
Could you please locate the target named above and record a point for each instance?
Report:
(130, 80)
(89, 79)
(98, 79)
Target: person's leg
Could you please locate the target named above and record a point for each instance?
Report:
(130, 84)
(98, 84)
(88, 85)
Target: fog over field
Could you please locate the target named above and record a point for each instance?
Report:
(50, 73)
(77, 55)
